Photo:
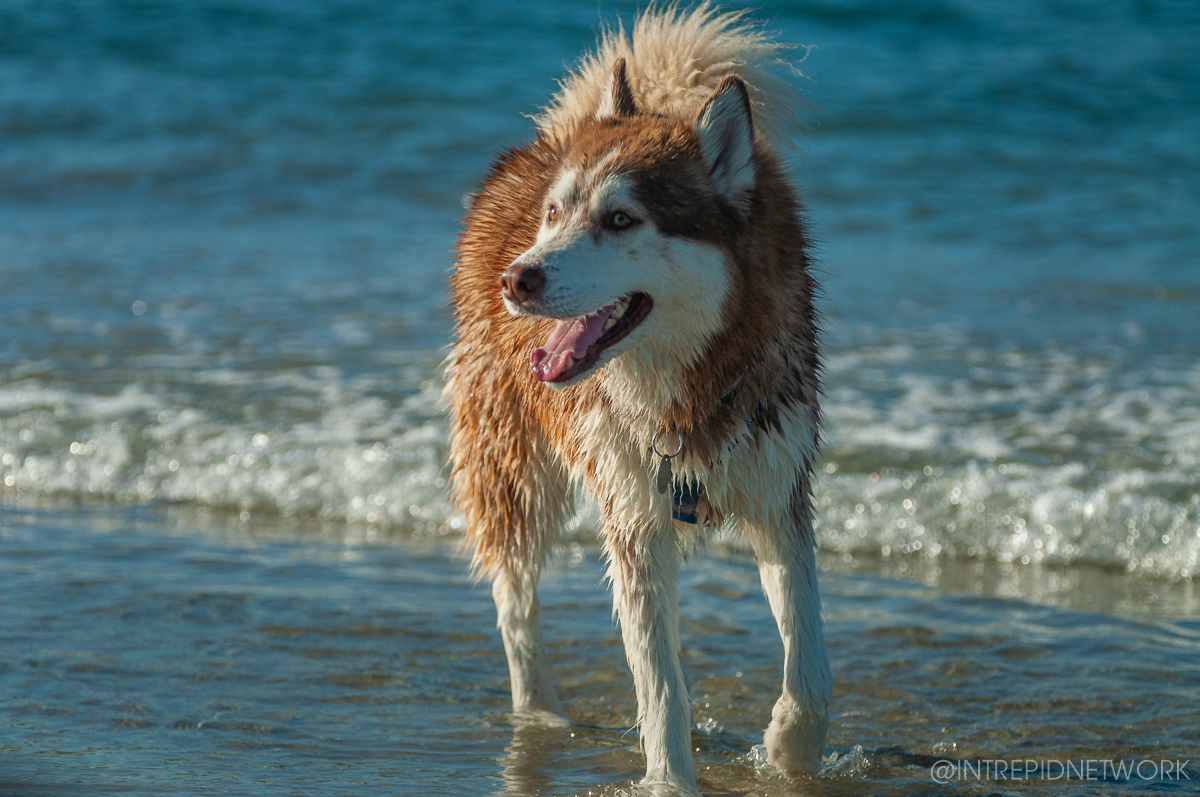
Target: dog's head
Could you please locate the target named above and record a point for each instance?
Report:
(637, 233)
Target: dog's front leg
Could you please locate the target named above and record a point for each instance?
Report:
(787, 566)
(514, 588)
(644, 568)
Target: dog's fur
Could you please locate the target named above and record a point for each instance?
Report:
(653, 175)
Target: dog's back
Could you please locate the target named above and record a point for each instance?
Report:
(634, 313)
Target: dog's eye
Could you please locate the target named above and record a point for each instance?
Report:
(619, 220)
(552, 214)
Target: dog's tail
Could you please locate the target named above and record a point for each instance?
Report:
(674, 60)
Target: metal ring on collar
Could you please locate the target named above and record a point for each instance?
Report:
(654, 446)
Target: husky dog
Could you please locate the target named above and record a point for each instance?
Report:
(634, 315)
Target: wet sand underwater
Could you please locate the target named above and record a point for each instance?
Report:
(168, 652)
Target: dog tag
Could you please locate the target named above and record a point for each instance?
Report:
(664, 475)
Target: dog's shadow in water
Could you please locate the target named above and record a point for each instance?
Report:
(525, 760)
(542, 746)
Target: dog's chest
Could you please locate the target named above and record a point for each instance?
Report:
(637, 480)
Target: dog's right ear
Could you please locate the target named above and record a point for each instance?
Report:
(617, 101)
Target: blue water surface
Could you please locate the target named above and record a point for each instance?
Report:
(226, 550)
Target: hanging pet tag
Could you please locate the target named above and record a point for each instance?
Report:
(664, 475)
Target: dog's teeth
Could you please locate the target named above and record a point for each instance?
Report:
(610, 323)
(618, 311)
(570, 361)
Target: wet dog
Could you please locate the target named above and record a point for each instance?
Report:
(634, 315)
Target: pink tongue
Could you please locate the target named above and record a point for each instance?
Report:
(569, 339)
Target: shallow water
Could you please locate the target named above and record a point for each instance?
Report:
(150, 653)
(224, 232)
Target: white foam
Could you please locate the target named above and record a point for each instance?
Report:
(1022, 457)
(932, 450)
(358, 460)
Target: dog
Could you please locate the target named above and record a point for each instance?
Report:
(634, 315)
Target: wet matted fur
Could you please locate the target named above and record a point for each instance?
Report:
(641, 268)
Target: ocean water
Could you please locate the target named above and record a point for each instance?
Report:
(228, 560)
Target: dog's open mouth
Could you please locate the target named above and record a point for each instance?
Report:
(575, 345)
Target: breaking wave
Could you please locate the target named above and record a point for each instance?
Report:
(934, 448)
(349, 456)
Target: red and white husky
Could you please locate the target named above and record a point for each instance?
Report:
(635, 315)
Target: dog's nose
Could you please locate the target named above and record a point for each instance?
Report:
(520, 283)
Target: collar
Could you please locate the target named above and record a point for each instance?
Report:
(686, 494)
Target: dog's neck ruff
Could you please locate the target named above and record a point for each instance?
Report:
(686, 494)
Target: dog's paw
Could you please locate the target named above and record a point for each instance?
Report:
(795, 739)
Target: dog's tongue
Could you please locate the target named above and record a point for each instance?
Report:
(569, 339)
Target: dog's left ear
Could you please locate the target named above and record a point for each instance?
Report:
(617, 101)
(726, 132)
